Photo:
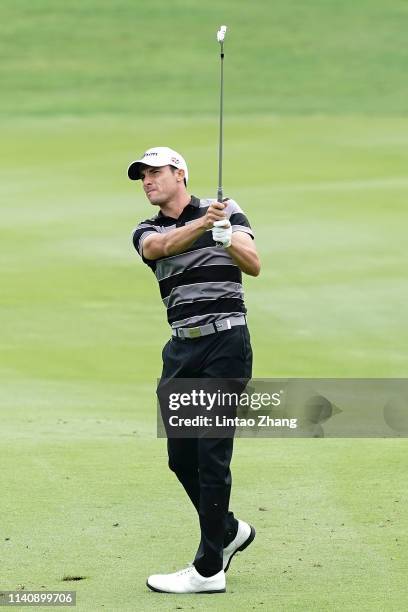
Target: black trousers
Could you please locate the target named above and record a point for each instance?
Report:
(202, 464)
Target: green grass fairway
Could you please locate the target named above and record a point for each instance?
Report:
(79, 363)
(316, 153)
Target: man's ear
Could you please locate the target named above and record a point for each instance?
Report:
(180, 175)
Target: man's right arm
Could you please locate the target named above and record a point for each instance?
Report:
(157, 245)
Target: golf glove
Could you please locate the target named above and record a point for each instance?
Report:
(222, 232)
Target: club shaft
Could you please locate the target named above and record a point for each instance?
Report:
(220, 151)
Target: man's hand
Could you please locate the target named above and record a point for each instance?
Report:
(222, 232)
(215, 212)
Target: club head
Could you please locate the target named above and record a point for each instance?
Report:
(221, 33)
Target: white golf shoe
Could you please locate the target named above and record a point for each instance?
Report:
(244, 537)
(187, 581)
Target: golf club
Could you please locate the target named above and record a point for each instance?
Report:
(220, 38)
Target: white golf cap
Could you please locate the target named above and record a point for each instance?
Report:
(158, 156)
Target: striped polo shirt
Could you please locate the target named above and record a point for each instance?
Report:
(202, 284)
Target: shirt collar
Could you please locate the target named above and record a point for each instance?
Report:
(194, 202)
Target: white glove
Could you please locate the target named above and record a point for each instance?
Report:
(222, 232)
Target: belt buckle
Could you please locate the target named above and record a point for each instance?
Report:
(223, 325)
(194, 332)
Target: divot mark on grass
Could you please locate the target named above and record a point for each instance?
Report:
(73, 578)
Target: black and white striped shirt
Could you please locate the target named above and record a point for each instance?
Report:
(202, 284)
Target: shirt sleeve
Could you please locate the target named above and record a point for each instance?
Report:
(140, 233)
(238, 219)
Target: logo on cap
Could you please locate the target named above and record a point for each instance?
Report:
(174, 160)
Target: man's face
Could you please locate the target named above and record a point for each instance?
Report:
(160, 184)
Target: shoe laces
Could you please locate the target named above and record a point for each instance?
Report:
(186, 570)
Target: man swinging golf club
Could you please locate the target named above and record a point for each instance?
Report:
(198, 250)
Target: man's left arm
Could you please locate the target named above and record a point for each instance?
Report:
(236, 236)
(244, 254)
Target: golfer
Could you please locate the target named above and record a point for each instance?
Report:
(198, 250)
